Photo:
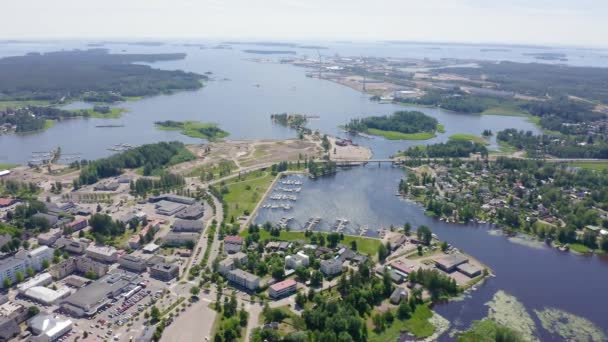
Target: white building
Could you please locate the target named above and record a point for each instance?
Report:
(48, 328)
(41, 279)
(297, 260)
(21, 261)
(47, 296)
(103, 253)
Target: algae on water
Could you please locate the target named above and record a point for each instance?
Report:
(569, 326)
(508, 311)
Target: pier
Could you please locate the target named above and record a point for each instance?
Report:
(312, 223)
(340, 225)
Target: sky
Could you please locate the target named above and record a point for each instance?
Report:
(555, 22)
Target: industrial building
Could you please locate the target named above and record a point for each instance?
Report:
(172, 198)
(89, 299)
(282, 288)
(469, 270)
(41, 279)
(167, 208)
(450, 262)
(193, 212)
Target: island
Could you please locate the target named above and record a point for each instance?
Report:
(270, 52)
(193, 129)
(93, 75)
(402, 125)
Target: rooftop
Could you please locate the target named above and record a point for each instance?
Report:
(233, 239)
(282, 285)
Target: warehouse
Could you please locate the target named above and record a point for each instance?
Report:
(47, 296)
(187, 226)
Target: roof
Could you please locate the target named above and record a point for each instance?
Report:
(451, 261)
(188, 224)
(400, 266)
(151, 247)
(468, 268)
(47, 324)
(39, 250)
(244, 275)
(282, 285)
(233, 239)
(6, 201)
(104, 250)
(132, 258)
(164, 267)
(46, 295)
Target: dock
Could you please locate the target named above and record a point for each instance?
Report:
(312, 223)
(340, 225)
(283, 222)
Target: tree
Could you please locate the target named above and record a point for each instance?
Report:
(404, 311)
(379, 322)
(32, 311)
(302, 273)
(154, 314)
(7, 283)
(301, 299)
(194, 291)
(382, 253)
(407, 229)
(444, 246)
(18, 277)
(45, 264)
(316, 279)
(30, 272)
(424, 234)
(353, 245)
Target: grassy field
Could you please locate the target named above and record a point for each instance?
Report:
(365, 245)
(393, 135)
(599, 166)
(194, 129)
(114, 113)
(48, 124)
(418, 325)
(244, 193)
(469, 137)
(577, 247)
(504, 111)
(8, 166)
(440, 128)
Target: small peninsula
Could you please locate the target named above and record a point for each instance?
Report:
(193, 129)
(402, 125)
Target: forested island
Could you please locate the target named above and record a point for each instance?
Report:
(36, 118)
(402, 125)
(453, 148)
(91, 75)
(193, 129)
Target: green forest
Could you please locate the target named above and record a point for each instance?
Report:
(408, 122)
(92, 75)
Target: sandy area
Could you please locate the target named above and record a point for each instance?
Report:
(349, 152)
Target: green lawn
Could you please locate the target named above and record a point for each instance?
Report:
(393, 135)
(8, 166)
(365, 245)
(469, 137)
(114, 113)
(244, 193)
(599, 166)
(418, 325)
(577, 247)
(194, 129)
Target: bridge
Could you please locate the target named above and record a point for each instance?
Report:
(401, 160)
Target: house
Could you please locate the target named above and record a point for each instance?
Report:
(109, 186)
(450, 262)
(398, 295)
(7, 202)
(331, 267)
(282, 288)
(49, 238)
(233, 244)
(78, 224)
(401, 268)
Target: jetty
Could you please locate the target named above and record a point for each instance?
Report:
(283, 222)
(312, 223)
(340, 225)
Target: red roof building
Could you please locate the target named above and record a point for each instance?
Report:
(233, 239)
(282, 288)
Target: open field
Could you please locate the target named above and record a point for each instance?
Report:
(365, 245)
(418, 325)
(195, 129)
(504, 111)
(469, 137)
(393, 135)
(599, 166)
(244, 193)
(7, 104)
